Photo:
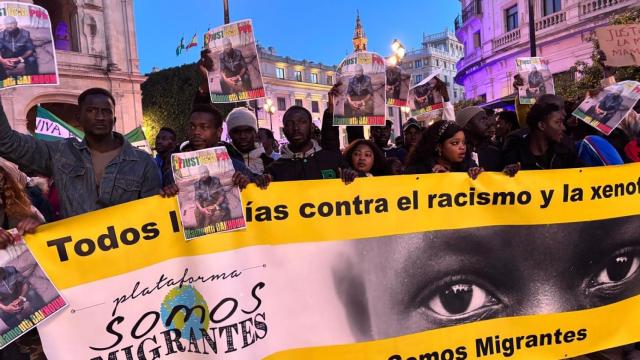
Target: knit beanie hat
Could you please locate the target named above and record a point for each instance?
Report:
(463, 116)
(241, 117)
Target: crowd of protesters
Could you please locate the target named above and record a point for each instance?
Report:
(71, 177)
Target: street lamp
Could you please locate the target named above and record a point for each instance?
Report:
(270, 109)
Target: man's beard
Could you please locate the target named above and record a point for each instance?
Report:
(14, 32)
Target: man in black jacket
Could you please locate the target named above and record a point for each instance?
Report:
(542, 147)
(303, 158)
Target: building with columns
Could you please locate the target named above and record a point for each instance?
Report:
(289, 82)
(95, 47)
(496, 32)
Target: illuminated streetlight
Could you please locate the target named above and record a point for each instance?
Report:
(395, 45)
(270, 109)
(398, 50)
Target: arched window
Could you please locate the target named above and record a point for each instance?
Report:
(64, 23)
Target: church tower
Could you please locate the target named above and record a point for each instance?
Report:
(359, 37)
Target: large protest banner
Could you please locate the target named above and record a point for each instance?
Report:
(26, 46)
(542, 266)
(620, 43)
(360, 99)
(234, 71)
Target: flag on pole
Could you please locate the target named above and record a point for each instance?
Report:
(194, 41)
(51, 128)
(136, 138)
(180, 47)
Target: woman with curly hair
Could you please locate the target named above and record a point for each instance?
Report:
(17, 217)
(366, 158)
(442, 148)
(16, 211)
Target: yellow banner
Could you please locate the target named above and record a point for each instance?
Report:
(444, 267)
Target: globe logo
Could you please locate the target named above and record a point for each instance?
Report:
(191, 309)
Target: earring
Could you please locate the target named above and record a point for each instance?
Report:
(438, 151)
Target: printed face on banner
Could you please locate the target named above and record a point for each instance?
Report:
(209, 202)
(605, 111)
(537, 79)
(234, 67)
(26, 46)
(397, 89)
(27, 296)
(458, 276)
(361, 97)
(428, 95)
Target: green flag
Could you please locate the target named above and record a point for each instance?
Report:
(180, 47)
(136, 138)
(51, 128)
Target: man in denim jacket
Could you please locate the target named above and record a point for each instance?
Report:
(100, 171)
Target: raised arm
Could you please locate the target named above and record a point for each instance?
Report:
(24, 150)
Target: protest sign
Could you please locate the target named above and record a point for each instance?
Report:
(397, 89)
(209, 202)
(26, 46)
(605, 111)
(537, 79)
(234, 67)
(428, 95)
(27, 296)
(620, 43)
(360, 98)
(385, 268)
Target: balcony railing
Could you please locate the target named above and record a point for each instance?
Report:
(506, 39)
(592, 7)
(474, 8)
(551, 20)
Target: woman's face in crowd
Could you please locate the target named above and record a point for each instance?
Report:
(445, 278)
(454, 149)
(362, 158)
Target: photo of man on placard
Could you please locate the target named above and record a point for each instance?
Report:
(234, 73)
(359, 95)
(17, 52)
